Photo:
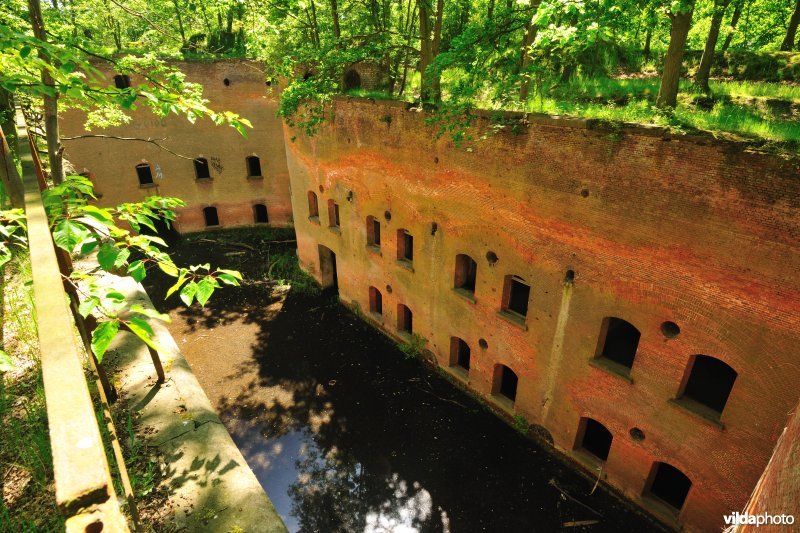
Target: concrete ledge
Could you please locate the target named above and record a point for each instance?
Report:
(211, 486)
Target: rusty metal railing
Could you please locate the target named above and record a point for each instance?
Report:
(84, 488)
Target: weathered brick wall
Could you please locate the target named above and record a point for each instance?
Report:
(112, 162)
(655, 227)
(778, 490)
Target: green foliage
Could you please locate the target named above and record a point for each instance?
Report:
(520, 424)
(81, 228)
(414, 347)
(13, 232)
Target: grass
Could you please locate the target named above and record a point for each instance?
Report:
(25, 456)
(736, 108)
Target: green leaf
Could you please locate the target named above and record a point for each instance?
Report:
(168, 267)
(142, 329)
(181, 281)
(137, 271)
(24, 52)
(89, 246)
(6, 364)
(149, 312)
(228, 279)
(187, 293)
(102, 336)
(115, 296)
(235, 273)
(107, 256)
(204, 290)
(103, 215)
(88, 305)
(68, 234)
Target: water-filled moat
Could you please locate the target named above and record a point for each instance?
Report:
(345, 432)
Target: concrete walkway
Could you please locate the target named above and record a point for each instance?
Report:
(211, 486)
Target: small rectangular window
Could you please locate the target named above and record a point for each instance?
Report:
(404, 319)
(515, 296)
(122, 81)
(145, 174)
(405, 246)
(333, 214)
(373, 232)
(253, 166)
(375, 301)
(313, 207)
(201, 168)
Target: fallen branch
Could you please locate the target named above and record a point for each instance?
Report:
(564, 493)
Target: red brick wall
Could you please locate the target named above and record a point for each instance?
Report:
(656, 228)
(112, 162)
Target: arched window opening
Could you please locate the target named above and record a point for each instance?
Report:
(618, 342)
(333, 214)
(405, 246)
(145, 173)
(669, 485)
(253, 166)
(505, 382)
(210, 216)
(373, 232)
(594, 438)
(201, 169)
(404, 319)
(260, 214)
(709, 383)
(459, 353)
(352, 80)
(466, 272)
(375, 301)
(313, 206)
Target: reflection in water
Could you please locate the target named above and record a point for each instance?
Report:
(346, 434)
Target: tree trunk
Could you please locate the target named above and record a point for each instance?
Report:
(704, 70)
(528, 37)
(791, 31)
(54, 149)
(180, 22)
(490, 10)
(8, 119)
(437, 41)
(337, 32)
(9, 175)
(737, 13)
(670, 79)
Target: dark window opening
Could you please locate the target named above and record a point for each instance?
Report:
(144, 173)
(405, 246)
(466, 272)
(313, 206)
(670, 329)
(505, 382)
(122, 81)
(226, 82)
(594, 438)
(618, 341)
(253, 166)
(404, 319)
(375, 301)
(333, 214)
(459, 353)
(515, 296)
(710, 382)
(352, 80)
(210, 216)
(669, 485)
(201, 168)
(373, 231)
(329, 277)
(260, 214)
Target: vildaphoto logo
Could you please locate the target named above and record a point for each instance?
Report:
(741, 519)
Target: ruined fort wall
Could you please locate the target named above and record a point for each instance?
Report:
(112, 163)
(655, 228)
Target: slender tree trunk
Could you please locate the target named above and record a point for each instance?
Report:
(337, 32)
(437, 41)
(704, 70)
(425, 54)
(791, 31)
(54, 149)
(670, 79)
(314, 23)
(8, 121)
(9, 175)
(180, 22)
(737, 13)
(528, 36)
(490, 10)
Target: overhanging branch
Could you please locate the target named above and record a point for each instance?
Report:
(118, 138)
